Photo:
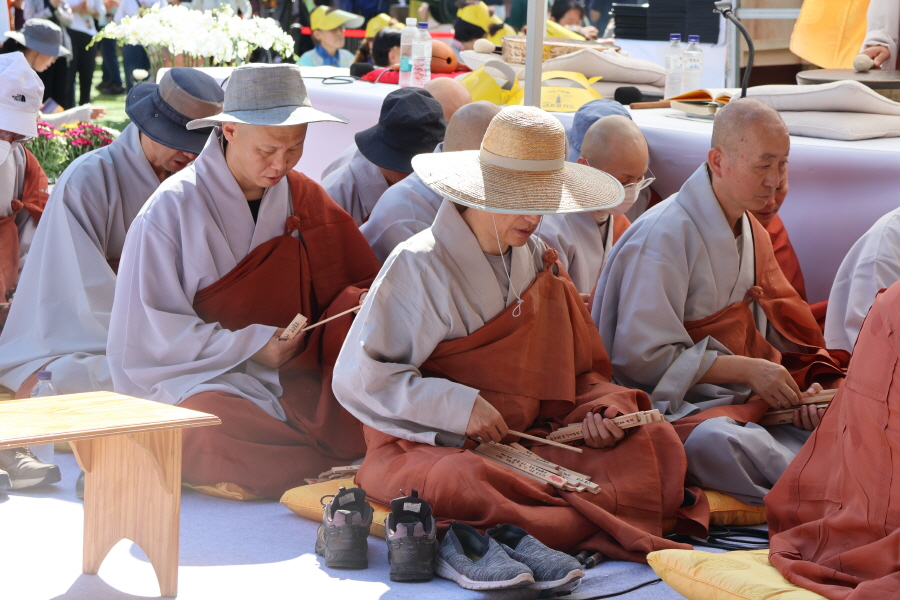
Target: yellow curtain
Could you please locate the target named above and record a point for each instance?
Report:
(829, 33)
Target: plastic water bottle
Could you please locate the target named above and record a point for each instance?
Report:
(674, 57)
(407, 37)
(421, 71)
(692, 72)
(44, 387)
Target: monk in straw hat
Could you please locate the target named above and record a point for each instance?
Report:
(472, 330)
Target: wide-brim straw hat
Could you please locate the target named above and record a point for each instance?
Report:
(520, 169)
(270, 95)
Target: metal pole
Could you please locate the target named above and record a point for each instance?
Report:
(733, 64)
(534, 51)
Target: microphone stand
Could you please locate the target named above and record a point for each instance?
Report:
(724, 8)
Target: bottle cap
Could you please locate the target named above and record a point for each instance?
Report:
(674, 37)
(411, 22)
(423, 25)
(694, 38)
(44, 375)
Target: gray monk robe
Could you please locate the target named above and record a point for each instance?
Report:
(677, 264)
(437, 289)
(583, 244)
(62, 306)
(356, 187)
(405, 209)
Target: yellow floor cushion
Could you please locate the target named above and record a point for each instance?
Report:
(725, 510)
(745, 575)
(306, 501)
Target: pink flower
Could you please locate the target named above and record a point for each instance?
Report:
(80, 141)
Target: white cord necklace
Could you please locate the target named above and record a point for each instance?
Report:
(518, 309)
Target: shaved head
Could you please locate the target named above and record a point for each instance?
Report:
(450, 93)
(468, 126)
(741, 118)
(614, 144)
(748, 159)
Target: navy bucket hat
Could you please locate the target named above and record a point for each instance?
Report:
(162, 111)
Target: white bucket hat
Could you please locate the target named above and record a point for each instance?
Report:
(267, 95)
(21, 92)
(521, 169)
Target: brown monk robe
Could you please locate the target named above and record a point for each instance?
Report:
(833, 515)
(735, 328)
(33, 199)
(542, 370)
(321, 274)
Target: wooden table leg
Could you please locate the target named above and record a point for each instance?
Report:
(133, 491)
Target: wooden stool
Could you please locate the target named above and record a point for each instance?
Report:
(130, 451)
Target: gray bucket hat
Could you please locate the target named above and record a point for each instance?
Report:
(162, 111)
(268, 95)
(41, 36)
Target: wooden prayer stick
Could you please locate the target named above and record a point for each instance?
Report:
(331, 318)
(545, 441)
(823, 396)
(294, 328)
(659, 104)
(784, 417)
(574, 432)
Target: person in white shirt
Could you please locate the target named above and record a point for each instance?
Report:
(236, 5)
(133, 55)
(84, 58)
(882, 31)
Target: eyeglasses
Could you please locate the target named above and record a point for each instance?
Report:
(640, 184)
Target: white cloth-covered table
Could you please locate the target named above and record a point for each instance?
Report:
(838, 189)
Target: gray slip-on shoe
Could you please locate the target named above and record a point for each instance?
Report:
(552, 569)
(476, 562)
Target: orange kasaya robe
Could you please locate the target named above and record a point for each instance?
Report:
(34, 198)
(735, 328)
(320, 274)
(790, 266)
(544, 369)
(834, 514)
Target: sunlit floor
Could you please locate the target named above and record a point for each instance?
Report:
(256, 550)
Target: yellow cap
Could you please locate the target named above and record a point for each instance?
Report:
(323, 20)
(476, 14)
(556, 30)
(497, 38)
(379, 22)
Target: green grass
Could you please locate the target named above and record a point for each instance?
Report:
(114, 105)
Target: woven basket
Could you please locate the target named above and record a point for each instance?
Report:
(514, 48)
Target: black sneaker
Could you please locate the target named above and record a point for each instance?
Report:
(25, 470)
(342, 536)
(411, 535)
